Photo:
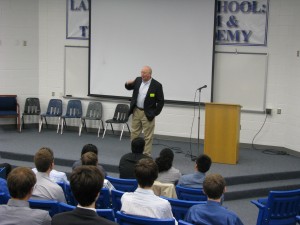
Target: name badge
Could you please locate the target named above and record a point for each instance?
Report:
(152, 95)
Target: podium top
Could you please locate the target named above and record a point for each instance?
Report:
(218, 103)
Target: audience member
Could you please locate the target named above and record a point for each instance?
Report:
(20, 182)
(166, 172)
(89, 148)
(129, 160)
(212, 212)
(7, 168)
(56, 176)
(195, 180)
(45, 188)
(86, 183)
(91, 159)
(143, 201)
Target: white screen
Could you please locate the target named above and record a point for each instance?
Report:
(174, 37)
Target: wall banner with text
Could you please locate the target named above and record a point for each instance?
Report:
(78, 19)
(242, 22)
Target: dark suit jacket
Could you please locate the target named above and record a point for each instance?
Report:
(154, 100)
(80, 216)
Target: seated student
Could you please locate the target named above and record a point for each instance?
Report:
(7, 167)
(56, 176)
(17, 211)
(143, 201)
(195, 180)
(89, 148)
(86, 183)
(45, 188)
(166, 172)
(128, 161)
(91, 159)
(212, 212)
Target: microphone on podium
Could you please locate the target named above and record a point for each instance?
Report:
(205, 86)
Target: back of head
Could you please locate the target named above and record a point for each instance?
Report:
(43, 159)
(89, 158)
(146, 172)
(20, 182)
(165, 160)
(89, 148)
(137, 145)
(203, 163)
(86, 183)
(214, 185)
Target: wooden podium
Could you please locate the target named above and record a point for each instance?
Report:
(222, 132)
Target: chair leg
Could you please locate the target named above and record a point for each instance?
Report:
(122, 131)
(80, 127)
(85, 126)
(128, 128)
(59, 119)
(99, 128)
(62, 125)
(40, 124)
(22, 123)
(104, 131)
(112, 128)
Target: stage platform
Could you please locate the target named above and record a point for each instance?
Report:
(254, 175)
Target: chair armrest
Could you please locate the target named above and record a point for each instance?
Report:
(259, 205)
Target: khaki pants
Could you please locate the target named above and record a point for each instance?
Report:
(141, 123)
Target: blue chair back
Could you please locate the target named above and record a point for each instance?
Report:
(180, 207)
(3, 172)
(125, 219)
(49, 205)
(125, 185)
(103, 202)
(116, 199)
(282, 207)
(105, 213)
(4, 198)
(54, 107)
(182, 222)
(190, 194)
(74, 109)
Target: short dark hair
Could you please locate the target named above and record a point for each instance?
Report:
(20, 182)
(137, 145)
(43, 159)
(89, 148)
(89, 158)
(203, 163)
(86, 183)
(146, 172)
(165, 160)
(214, 185)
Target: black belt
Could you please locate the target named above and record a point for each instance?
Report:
(140, 108)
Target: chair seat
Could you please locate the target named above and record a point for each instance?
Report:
(115, 121)
(8, 113)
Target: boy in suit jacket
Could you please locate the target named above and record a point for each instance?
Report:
(86, 183)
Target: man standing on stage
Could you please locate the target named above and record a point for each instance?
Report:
(146, 103)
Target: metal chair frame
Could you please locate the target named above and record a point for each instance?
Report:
(93, 112)
(54, 109)
(74, 110)
(120, 117)
(32, 108)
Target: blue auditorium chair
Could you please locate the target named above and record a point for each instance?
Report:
(126, 185)
(281, 207)
(180, 207)
(190, 194)
(49, 205)
(125, 219)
